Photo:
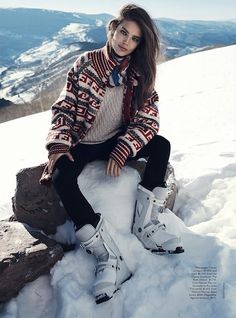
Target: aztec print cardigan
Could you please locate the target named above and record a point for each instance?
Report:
(75, 110)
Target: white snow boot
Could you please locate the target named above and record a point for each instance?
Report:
(111, 269)
(154, 235)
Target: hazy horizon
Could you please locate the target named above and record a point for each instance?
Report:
(174, 9)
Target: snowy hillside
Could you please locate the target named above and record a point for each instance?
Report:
(49, 43)
(37, 47)
(198, 115)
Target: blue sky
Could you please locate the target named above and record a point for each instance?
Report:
(176, 9)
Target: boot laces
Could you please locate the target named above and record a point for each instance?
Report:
(161, 226)
(158, 208)
(158, 224)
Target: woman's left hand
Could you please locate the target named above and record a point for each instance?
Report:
(113, 168)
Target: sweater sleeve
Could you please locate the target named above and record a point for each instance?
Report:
(64, 113)
(142, 128)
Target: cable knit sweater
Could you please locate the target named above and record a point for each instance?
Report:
(74, 113)
(108, 121)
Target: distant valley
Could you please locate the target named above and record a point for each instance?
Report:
(38, 46)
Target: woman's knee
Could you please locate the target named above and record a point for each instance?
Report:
(60, 178)
(64, 174)
(161, 143)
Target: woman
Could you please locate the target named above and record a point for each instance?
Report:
(108, 111)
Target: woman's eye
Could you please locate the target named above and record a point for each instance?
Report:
(136, 40)
(123, 32)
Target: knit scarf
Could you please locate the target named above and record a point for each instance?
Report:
(118, 74)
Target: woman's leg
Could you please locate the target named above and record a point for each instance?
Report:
(151, 201)
(111, 269)
(65, 180)
(157, 152)
(66, 185)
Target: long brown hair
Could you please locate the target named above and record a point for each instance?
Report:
(144, 58)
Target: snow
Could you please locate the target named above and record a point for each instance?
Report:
(17, 77)
(38, 53)
(60, 45)
(35, 60)
(24, 147)
(198, 115)
(57, 46)
(76, 28)
(99, 23)
(2, 68)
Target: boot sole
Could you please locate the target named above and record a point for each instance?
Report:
(161, 251)
(104, 297)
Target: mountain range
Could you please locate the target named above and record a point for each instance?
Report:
(38, 46)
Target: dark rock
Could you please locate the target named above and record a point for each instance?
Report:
(37, 205)
(171, 183)
(5, 102)
(24, 256)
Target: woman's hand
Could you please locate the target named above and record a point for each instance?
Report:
(48, 170)
(113, 168)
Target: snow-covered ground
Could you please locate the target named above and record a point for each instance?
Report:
(198, 115)
(29, 64)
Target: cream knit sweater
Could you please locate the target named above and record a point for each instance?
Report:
(109, 117)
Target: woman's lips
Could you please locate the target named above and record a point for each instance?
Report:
(122, 48)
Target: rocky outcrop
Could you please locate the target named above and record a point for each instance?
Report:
(35, 204)
(24, 256)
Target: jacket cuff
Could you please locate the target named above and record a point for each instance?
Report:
(58, 148)
(120, 154)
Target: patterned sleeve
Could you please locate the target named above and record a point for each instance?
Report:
(143, 127)
(64, 113)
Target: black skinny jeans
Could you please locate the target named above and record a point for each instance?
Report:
(66, 172)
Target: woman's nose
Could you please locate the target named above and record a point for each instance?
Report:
(126, 40)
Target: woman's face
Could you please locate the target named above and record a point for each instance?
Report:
(126, 38)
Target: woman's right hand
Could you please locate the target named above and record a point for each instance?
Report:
(48, 170)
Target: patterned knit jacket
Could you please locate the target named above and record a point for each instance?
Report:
(75, 110)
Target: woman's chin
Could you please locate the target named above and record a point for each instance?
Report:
(119, 52)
